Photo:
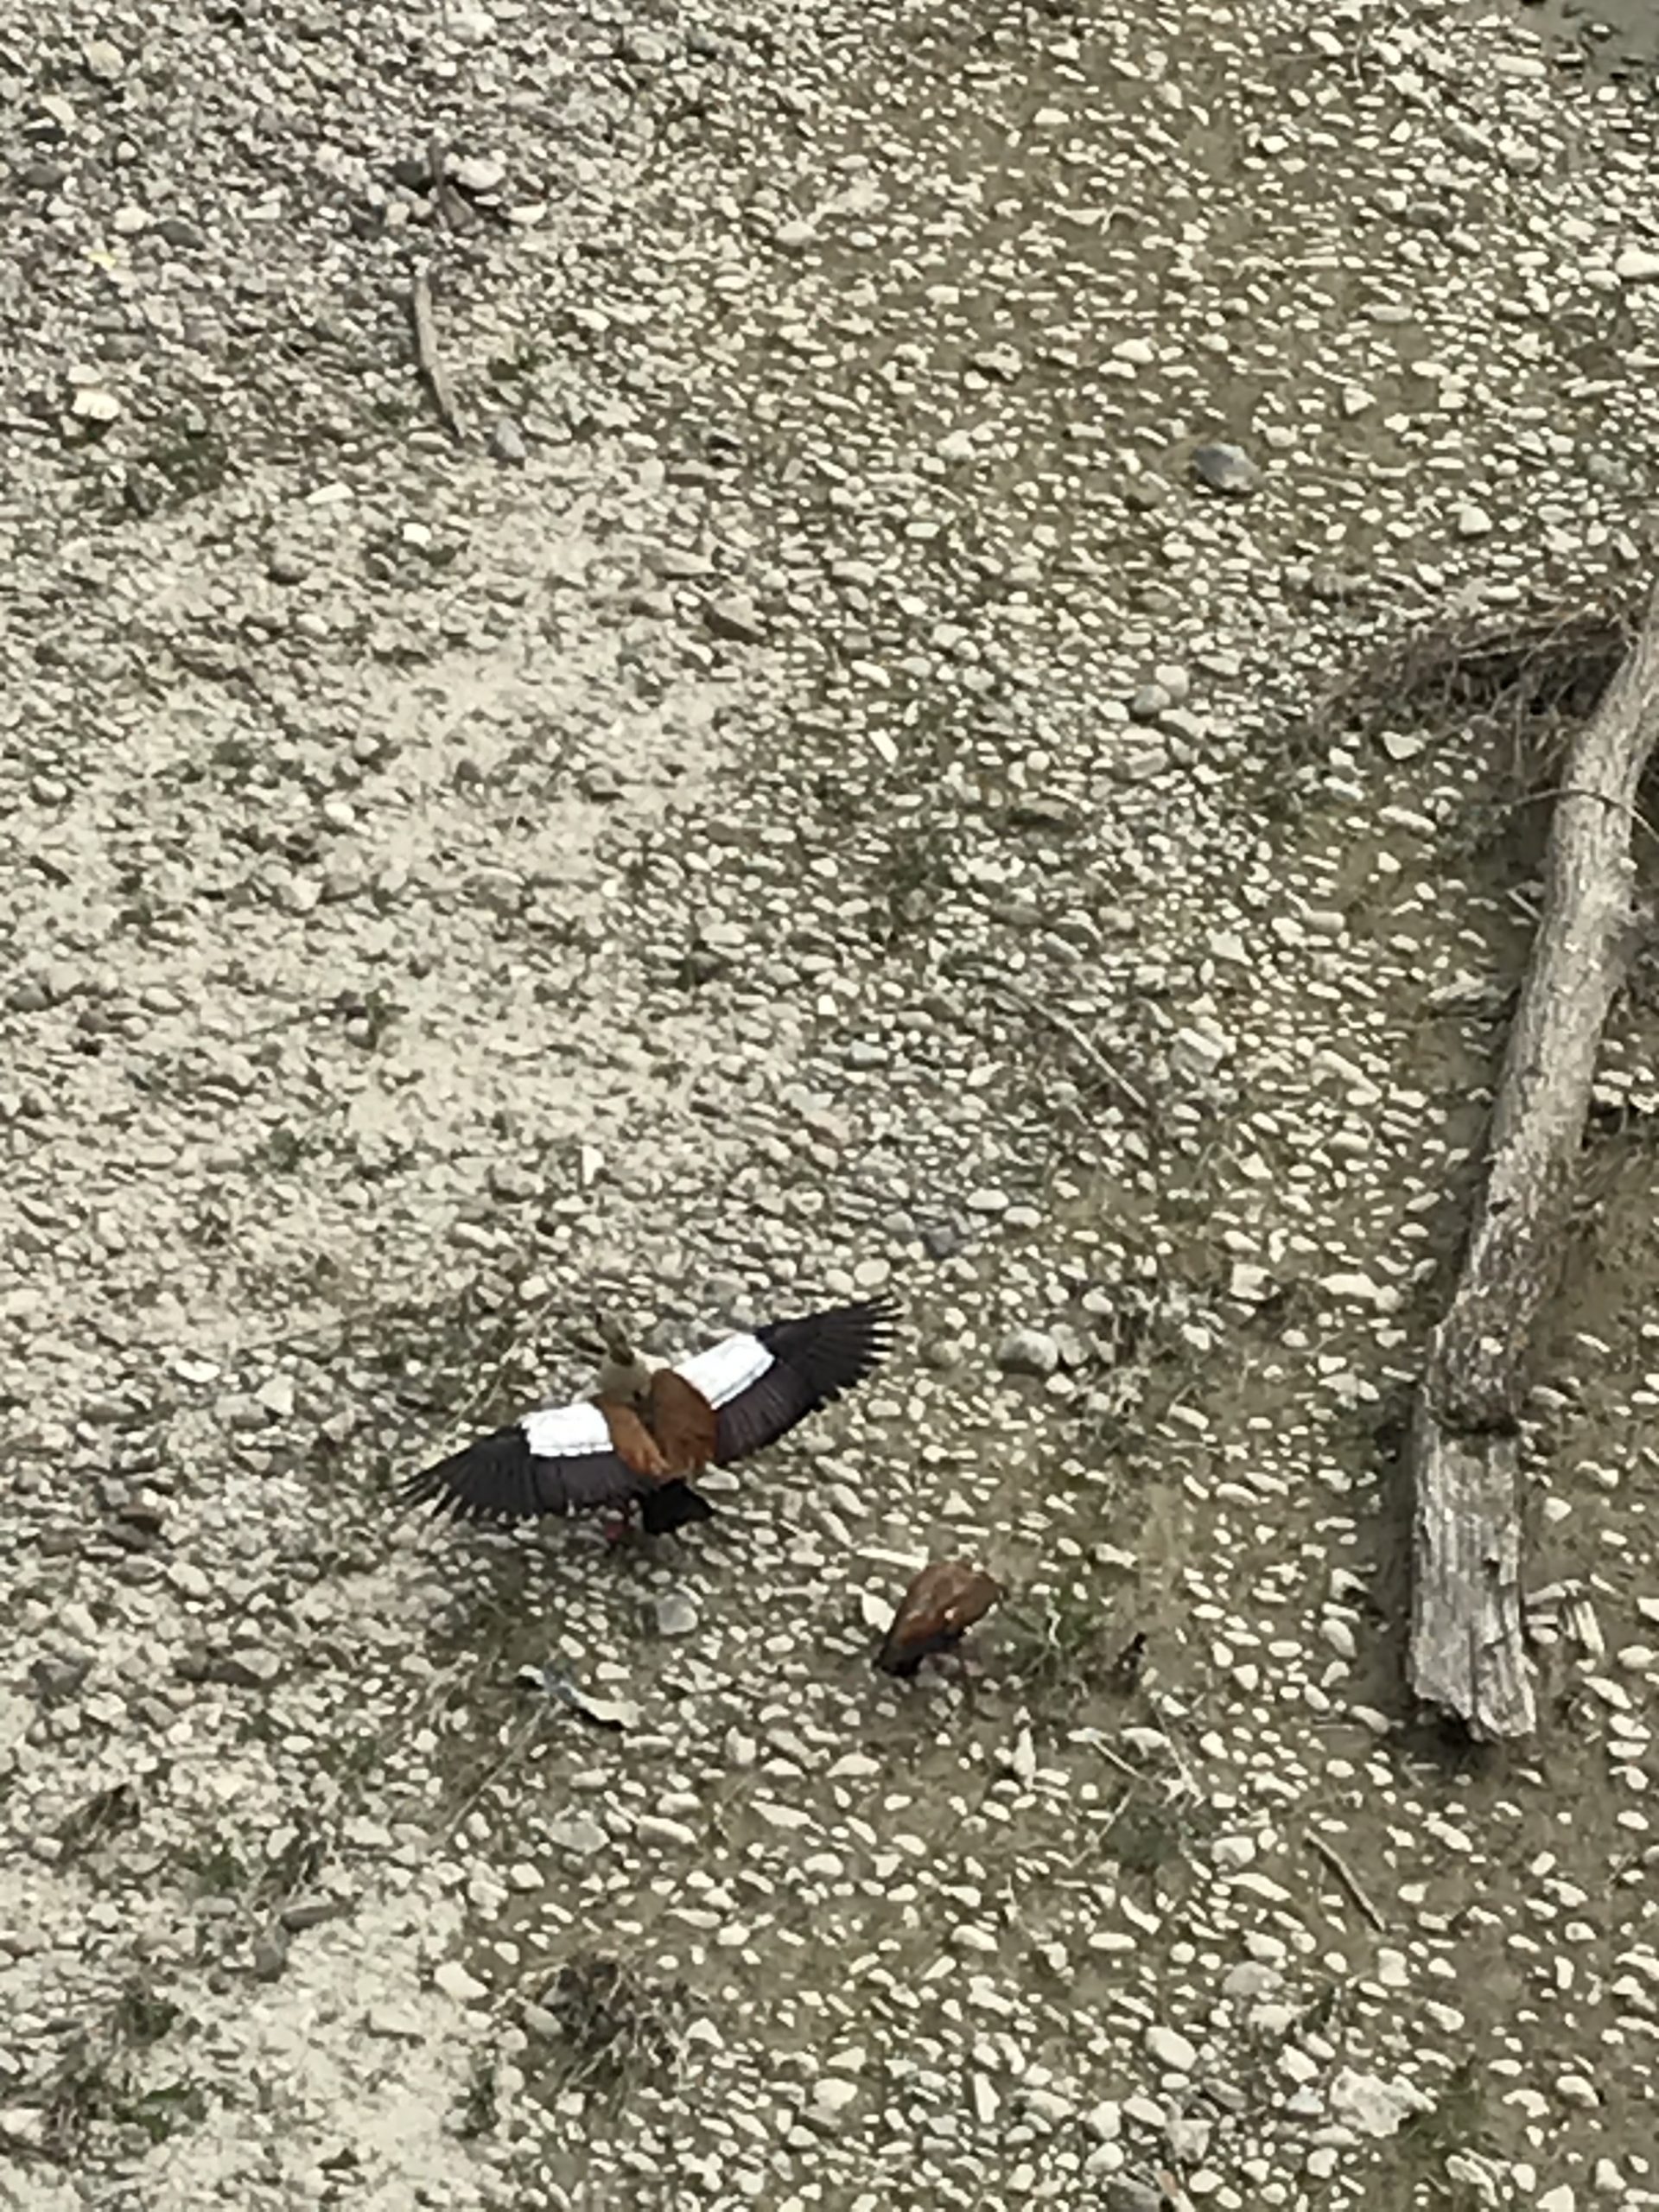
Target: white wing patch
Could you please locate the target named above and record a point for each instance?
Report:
(725, 1370)
(566, 1432)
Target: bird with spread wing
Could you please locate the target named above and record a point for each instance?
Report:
(647, 1432)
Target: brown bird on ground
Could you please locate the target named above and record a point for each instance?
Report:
(646, 1431)
(940, 1606)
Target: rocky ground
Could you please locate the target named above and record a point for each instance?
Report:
(865, 761)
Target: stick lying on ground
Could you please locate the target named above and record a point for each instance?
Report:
(1466, 1638)
(431, 360)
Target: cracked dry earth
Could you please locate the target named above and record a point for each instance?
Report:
(843, 778)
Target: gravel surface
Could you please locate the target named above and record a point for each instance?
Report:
(829, 780)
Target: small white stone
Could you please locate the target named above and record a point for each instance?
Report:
(1401, 745)
(1637, 264)
(1375, 2104)
(833, 2093)
(479, 172)
(579, 1833)
(788, 1818)
(854, 1766)
(1171, 2049)
(1249, 1979)
(653, 1829)
(1200, 1053)
(1611, 1694)
(1338, 1634)
(453, 1978)
(1473, 521)
(275, 1395)
(1046, 2106)
(1352, 1288)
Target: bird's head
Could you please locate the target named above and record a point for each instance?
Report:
(622, 1373)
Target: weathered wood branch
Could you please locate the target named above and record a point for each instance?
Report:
(429, 360)
(1467, 1652)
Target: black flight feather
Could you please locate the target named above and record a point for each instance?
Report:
(815, 1359)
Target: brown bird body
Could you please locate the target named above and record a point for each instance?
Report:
(944, 1601)
(647, 1432)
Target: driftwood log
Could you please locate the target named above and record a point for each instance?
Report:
(1467, 1652)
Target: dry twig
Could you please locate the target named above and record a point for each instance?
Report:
(1345, 1875)
(431, 361)
(1067, 1028)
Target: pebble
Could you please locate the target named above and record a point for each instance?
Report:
(276, 1396)
(480, 172)
(736, 618)
(1171, 2050)
(1028, 1351)
(655, 1832)
(250, 1667)
(1373, 2105)
(1201, 1053)
(1356, 1289)
(986, 1200)
(268, 1956)
(60, 1675)
(677, 1613)
(453, 1978)
(1227, 469)
(577, 1832)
